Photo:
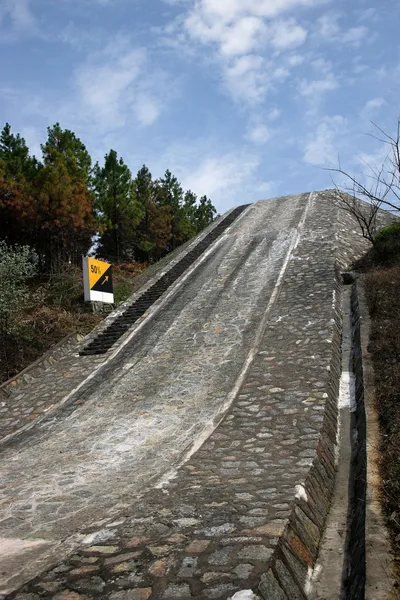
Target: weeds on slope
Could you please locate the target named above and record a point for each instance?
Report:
(382, 285)
(53, 309)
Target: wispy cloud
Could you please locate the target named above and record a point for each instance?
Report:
(245, 78)
(221, 173)
(16, 18)
(314, 90)
(287, 34)
(225, 174)
(373, 105)
(113, 87)
(329, 30)
(321, 148)
(243, 36)
(258, 133)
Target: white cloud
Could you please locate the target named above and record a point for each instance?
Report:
(265, 188)
(374, 104)
(147, 110)
(322, 65)
(258, 134)
(358, 66)
(274, 114)
(243, 36)
(34, 138)
(287, 34)
(321, 148)
(16, 16)
(106, 87)
(228, 10)
(246, 80)
(328, 29)
(369, 14)
(114, 86)
(226, 175)
(354, 35)
(314, 89)
(240, 27)
(374, 160)
(220, 173)
(238, 31)
(295, 60)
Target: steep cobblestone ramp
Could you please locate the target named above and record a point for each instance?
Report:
(202, 461)
(119, 326)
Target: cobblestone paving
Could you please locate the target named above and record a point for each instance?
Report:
(36, 393)
(20, 406)
(213, 527)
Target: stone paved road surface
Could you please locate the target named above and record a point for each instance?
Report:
(174, 381)
(119, 494)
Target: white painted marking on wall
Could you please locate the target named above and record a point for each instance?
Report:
(347, 391)
(244, 595)
(312, 574)
(301, 493)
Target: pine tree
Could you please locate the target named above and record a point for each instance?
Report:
(204, 213)
(65, 216)
(118, 210)
(15, 154)
(144, 192)
(171, 194)
(64, 205)
(17, 170)
(75, 155)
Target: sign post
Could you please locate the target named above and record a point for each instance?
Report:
(97, 280)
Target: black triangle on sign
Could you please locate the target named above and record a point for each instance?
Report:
(104, 283)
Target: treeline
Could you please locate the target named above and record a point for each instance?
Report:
(63, 205)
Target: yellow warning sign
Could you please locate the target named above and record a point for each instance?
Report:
(97, 280)
(97, 270)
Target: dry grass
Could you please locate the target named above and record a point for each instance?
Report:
(383, 295)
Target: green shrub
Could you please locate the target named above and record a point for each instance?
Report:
(387, 242)
(122, 291)
(64, 289)
(17, 265)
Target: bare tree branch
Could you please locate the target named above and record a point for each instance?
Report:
(363, 202)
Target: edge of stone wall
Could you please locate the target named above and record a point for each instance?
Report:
(290, 570)
(380, 579)
(42, 363)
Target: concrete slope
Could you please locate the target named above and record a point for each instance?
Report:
(172, 383)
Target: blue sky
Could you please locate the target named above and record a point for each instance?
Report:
(241, 99)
